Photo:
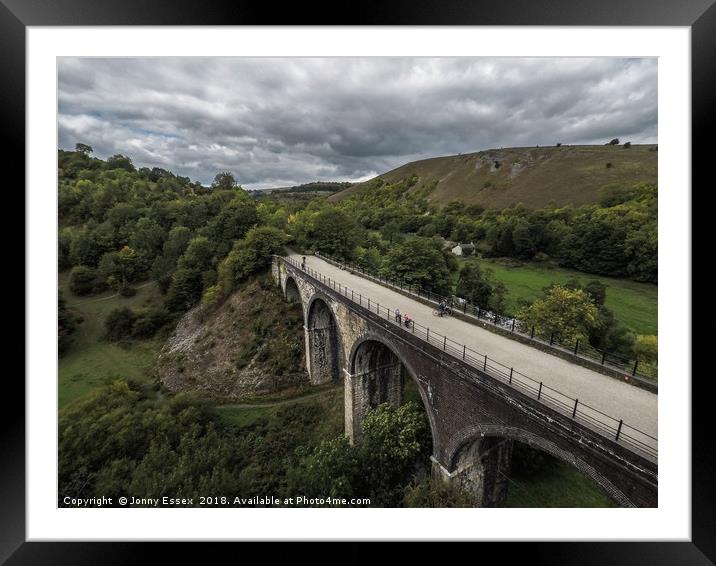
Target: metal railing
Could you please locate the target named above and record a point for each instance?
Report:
(629, 367)
(578, 411)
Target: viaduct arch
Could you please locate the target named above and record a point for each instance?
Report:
(474, 419)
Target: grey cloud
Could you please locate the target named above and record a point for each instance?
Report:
(285, 121)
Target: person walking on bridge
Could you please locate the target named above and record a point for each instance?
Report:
(398, 316)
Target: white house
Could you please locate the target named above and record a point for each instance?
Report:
(464, 249)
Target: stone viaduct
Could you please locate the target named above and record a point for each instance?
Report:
(474, 418)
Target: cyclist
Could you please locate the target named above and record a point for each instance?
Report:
(442, 307)
(408, 320)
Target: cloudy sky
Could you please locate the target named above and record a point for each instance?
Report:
(284, 121)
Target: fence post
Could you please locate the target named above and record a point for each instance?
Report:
(574, 411)
(576, 347)
(444, 343)
(539, 393)
(532, 334)
(368, 303)
(413, 325)
(427, 334)
(513, 325)
(636, 363)
(478, 312)
(464, 307)
(511, 370)
(484, 365)
(604, 355)
(551, 338)
(621, 422)
(360, 299)
(463, 352)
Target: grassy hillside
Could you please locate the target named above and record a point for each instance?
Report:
(92, 362)
(534, 176)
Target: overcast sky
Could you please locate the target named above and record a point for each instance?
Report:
(285, 121)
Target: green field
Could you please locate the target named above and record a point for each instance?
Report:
(559, 485)
(91, 362)
(634, 304)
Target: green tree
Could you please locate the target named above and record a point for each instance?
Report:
(120, 161)
(188, 280)
(333, 232)
(66, 325)
(248, 256)
(224, 180)
(396, 441)
(419, 261)
(647, 348)
(569, 314)
(119, 323)
(436, 493)
(83, 280)
(478, 286)
(83, 148)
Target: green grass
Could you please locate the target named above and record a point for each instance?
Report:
(90, 361)
(634, 304)
(328, 399)
(558, 485)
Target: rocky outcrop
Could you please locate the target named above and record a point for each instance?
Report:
(251, 344)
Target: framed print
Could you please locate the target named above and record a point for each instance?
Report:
(291, 278)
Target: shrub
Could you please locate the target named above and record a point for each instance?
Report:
(149, 321)
(119, 324)
(647, 348)
(82, 280)
(437, 494)
(627, 145)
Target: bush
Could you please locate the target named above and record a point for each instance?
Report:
(647, 348)
(119, 324)
(83, 280)
(149, 321)
(127, 291)
(437, 494)
(66, 324)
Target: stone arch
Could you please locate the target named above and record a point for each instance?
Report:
(369, 353)
(323, 341)
(487, 448)
(291, 291)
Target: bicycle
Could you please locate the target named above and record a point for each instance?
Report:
(446, 312)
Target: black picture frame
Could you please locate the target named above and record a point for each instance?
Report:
(17, 15)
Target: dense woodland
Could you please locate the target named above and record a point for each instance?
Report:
(121, 225)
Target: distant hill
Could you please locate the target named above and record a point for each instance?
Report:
(534, 176)
(317, 187)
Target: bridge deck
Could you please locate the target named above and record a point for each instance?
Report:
(636, 406)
